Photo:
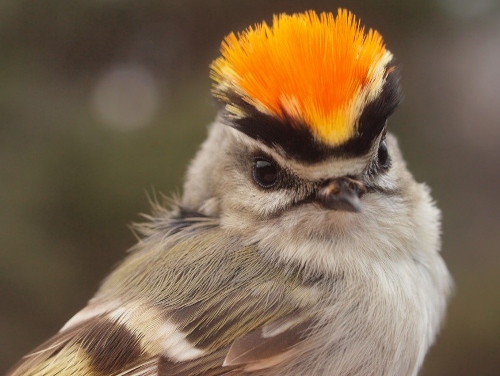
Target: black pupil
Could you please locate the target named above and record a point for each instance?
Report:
(265, 173)
(383, 155)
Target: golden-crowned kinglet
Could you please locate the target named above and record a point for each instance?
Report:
(301, 246)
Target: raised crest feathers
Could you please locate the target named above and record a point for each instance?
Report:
(315, 70)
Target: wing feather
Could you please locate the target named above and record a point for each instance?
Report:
(255, 347)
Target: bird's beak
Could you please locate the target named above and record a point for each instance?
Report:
(342, 194)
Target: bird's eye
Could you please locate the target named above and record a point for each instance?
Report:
(383, 158)
(265, 173)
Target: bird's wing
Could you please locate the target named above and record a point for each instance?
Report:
(196, 302)
(108, 345)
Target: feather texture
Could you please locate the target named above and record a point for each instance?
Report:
(185, 315)
(245, 278)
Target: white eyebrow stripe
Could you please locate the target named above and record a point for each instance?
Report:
(331, 168)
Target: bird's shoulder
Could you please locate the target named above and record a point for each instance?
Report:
(196, 302)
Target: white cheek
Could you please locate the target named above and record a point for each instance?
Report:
(243, 197)
(246, 206)
(387, 182)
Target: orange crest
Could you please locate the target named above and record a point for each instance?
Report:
(318, 70)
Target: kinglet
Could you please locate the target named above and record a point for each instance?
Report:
(302, 244)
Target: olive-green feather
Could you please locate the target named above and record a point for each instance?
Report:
(198, 278)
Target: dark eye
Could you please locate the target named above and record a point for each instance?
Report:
(265, 173)
(383, 155)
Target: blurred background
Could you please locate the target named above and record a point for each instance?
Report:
(103, 102)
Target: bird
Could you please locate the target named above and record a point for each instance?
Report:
(301, 245)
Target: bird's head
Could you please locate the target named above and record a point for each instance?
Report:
(304, 105)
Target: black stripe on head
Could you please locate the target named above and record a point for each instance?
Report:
(375, 114)
(110, 346)
(296, 139)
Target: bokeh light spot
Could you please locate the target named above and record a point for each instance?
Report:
(125, 98)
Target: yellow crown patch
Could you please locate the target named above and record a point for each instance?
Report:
(318, 70)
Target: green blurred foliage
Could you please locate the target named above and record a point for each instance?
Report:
(70, 183)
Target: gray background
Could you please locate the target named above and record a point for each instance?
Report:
(103, 102)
